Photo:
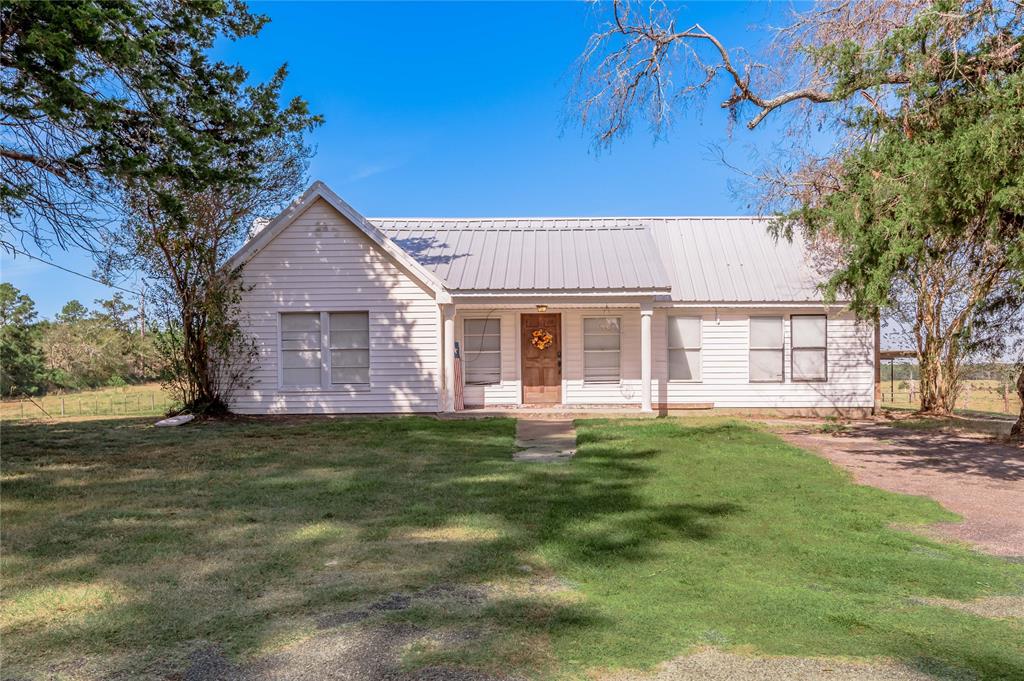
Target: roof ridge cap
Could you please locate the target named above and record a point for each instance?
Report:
(571, 218)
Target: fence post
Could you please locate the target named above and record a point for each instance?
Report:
(892, 380)
(1006, 399)
(62, 405)
(152, 401)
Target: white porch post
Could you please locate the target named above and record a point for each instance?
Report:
(448, 311)
(646, 353)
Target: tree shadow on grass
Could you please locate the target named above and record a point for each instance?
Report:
(130, 544)
(236, 532)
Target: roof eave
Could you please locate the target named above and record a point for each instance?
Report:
(596, 293)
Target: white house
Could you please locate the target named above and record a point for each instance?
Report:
(357, 315)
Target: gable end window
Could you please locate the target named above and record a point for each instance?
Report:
(766, 356)
(300, 349)
(350, 348)
(601, 347)
(481, 352)
(684, 345)
(809, 348)
(325, 349)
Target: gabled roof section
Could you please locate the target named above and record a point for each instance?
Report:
(689, 259)
(698, 260)
(558, 255)
(319, 190)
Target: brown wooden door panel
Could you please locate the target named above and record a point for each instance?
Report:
(542, 368)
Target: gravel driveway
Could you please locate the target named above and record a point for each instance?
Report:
(971, 475)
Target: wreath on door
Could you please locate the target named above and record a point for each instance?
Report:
(541, 339)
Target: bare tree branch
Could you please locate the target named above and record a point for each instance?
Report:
(628, 67)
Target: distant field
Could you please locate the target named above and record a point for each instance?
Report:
(977, 395)
(147, 399)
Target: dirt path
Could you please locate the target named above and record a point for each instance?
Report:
(358, 644)
(709, 664)
(981, 480)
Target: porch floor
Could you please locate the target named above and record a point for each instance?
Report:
(554, 412)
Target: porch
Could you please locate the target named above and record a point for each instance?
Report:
(556, 412)
(549, 358)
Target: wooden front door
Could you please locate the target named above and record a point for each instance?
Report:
(542, 366)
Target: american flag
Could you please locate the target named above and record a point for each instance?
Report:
(459, 400)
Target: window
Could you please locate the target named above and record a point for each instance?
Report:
(300, 349)
(684, 343)
(350, 348)
(601, 349)
(766, 349)
(303, 365)
(810, 358)
(481, 351)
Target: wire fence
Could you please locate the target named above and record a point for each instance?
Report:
(152, 403)
(989, 396)
(975, 395)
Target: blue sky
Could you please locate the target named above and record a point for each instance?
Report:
(458, 109)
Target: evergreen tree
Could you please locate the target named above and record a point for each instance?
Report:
(21, 360)
(97, 96)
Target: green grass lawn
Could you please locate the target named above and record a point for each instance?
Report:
(124, 544)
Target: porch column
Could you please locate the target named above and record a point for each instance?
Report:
(646, 353)
(448, 311)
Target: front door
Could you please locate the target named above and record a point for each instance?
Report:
(542, 358)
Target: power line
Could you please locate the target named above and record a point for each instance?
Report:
(84, 276)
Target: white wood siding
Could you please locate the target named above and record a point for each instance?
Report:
(725, 371)
(724, 362)
(322, 262)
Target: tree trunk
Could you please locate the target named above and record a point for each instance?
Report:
(1018, 428)
(936, 390)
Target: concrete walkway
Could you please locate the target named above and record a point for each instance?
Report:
(545, 440)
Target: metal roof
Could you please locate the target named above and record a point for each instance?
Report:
(733, 260)
(700, 259)
(577, 254)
